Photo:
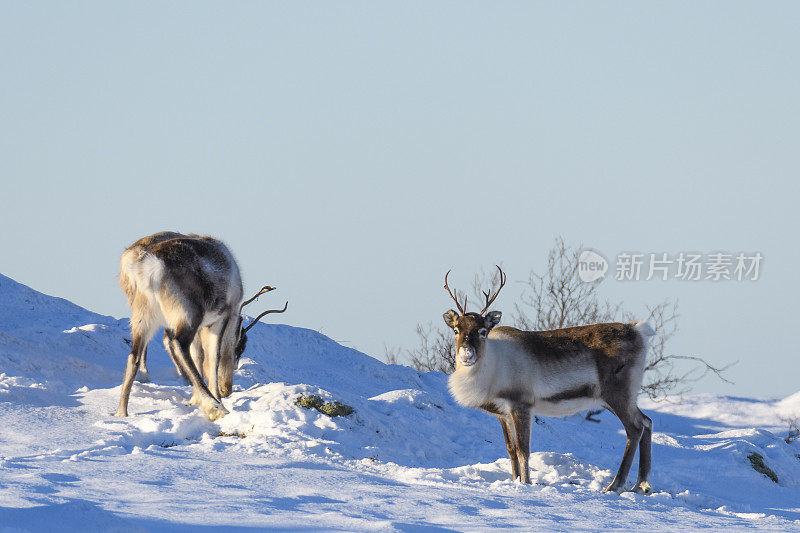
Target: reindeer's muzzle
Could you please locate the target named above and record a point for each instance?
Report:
(466, 356)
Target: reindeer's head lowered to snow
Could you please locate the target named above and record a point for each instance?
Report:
(471, 329)
(225, 371)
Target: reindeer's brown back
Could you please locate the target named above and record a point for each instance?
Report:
(607, 340)
(194, 265)
(156, 238)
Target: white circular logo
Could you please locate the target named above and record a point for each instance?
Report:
(591, 266)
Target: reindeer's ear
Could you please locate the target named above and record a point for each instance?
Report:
(492, 319)
(450, 318)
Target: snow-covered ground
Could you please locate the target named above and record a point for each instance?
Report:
(407, 459)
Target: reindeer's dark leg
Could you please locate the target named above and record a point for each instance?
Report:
(508, 433)
(144, 375)
(197, 355)
(142, 330)
(168, 348)
(511, 447)
(138, 346)
(521, 417)
(180, 343)
(642, 483)
(633, 421)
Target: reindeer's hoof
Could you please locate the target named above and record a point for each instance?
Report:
(217, 413)
(643, 487)
(214, 410)
(143, 377)
(120, 413)
(194, 400)
(613, 488)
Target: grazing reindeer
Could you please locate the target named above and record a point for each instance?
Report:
(514, 374)
(191, 286)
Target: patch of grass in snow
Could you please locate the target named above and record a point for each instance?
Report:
(757, 462)
(226, 434)
(327, 408)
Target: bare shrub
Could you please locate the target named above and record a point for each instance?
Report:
(435, 351)
(794, 429)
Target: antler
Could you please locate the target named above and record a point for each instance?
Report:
(486, 293)
(462, 310)
(263, 290)
(256, 319)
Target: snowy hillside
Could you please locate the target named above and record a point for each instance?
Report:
(407, 459)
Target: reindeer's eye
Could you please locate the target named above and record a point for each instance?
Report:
(482, 333)
(455, 330)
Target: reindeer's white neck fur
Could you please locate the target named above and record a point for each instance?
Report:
(473, 386)
(470, 385)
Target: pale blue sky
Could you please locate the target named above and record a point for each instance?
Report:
(351, 153)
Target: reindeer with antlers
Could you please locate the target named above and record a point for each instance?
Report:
(514, 374)
(191, 286)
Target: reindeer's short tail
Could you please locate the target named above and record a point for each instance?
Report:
(644, 329)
